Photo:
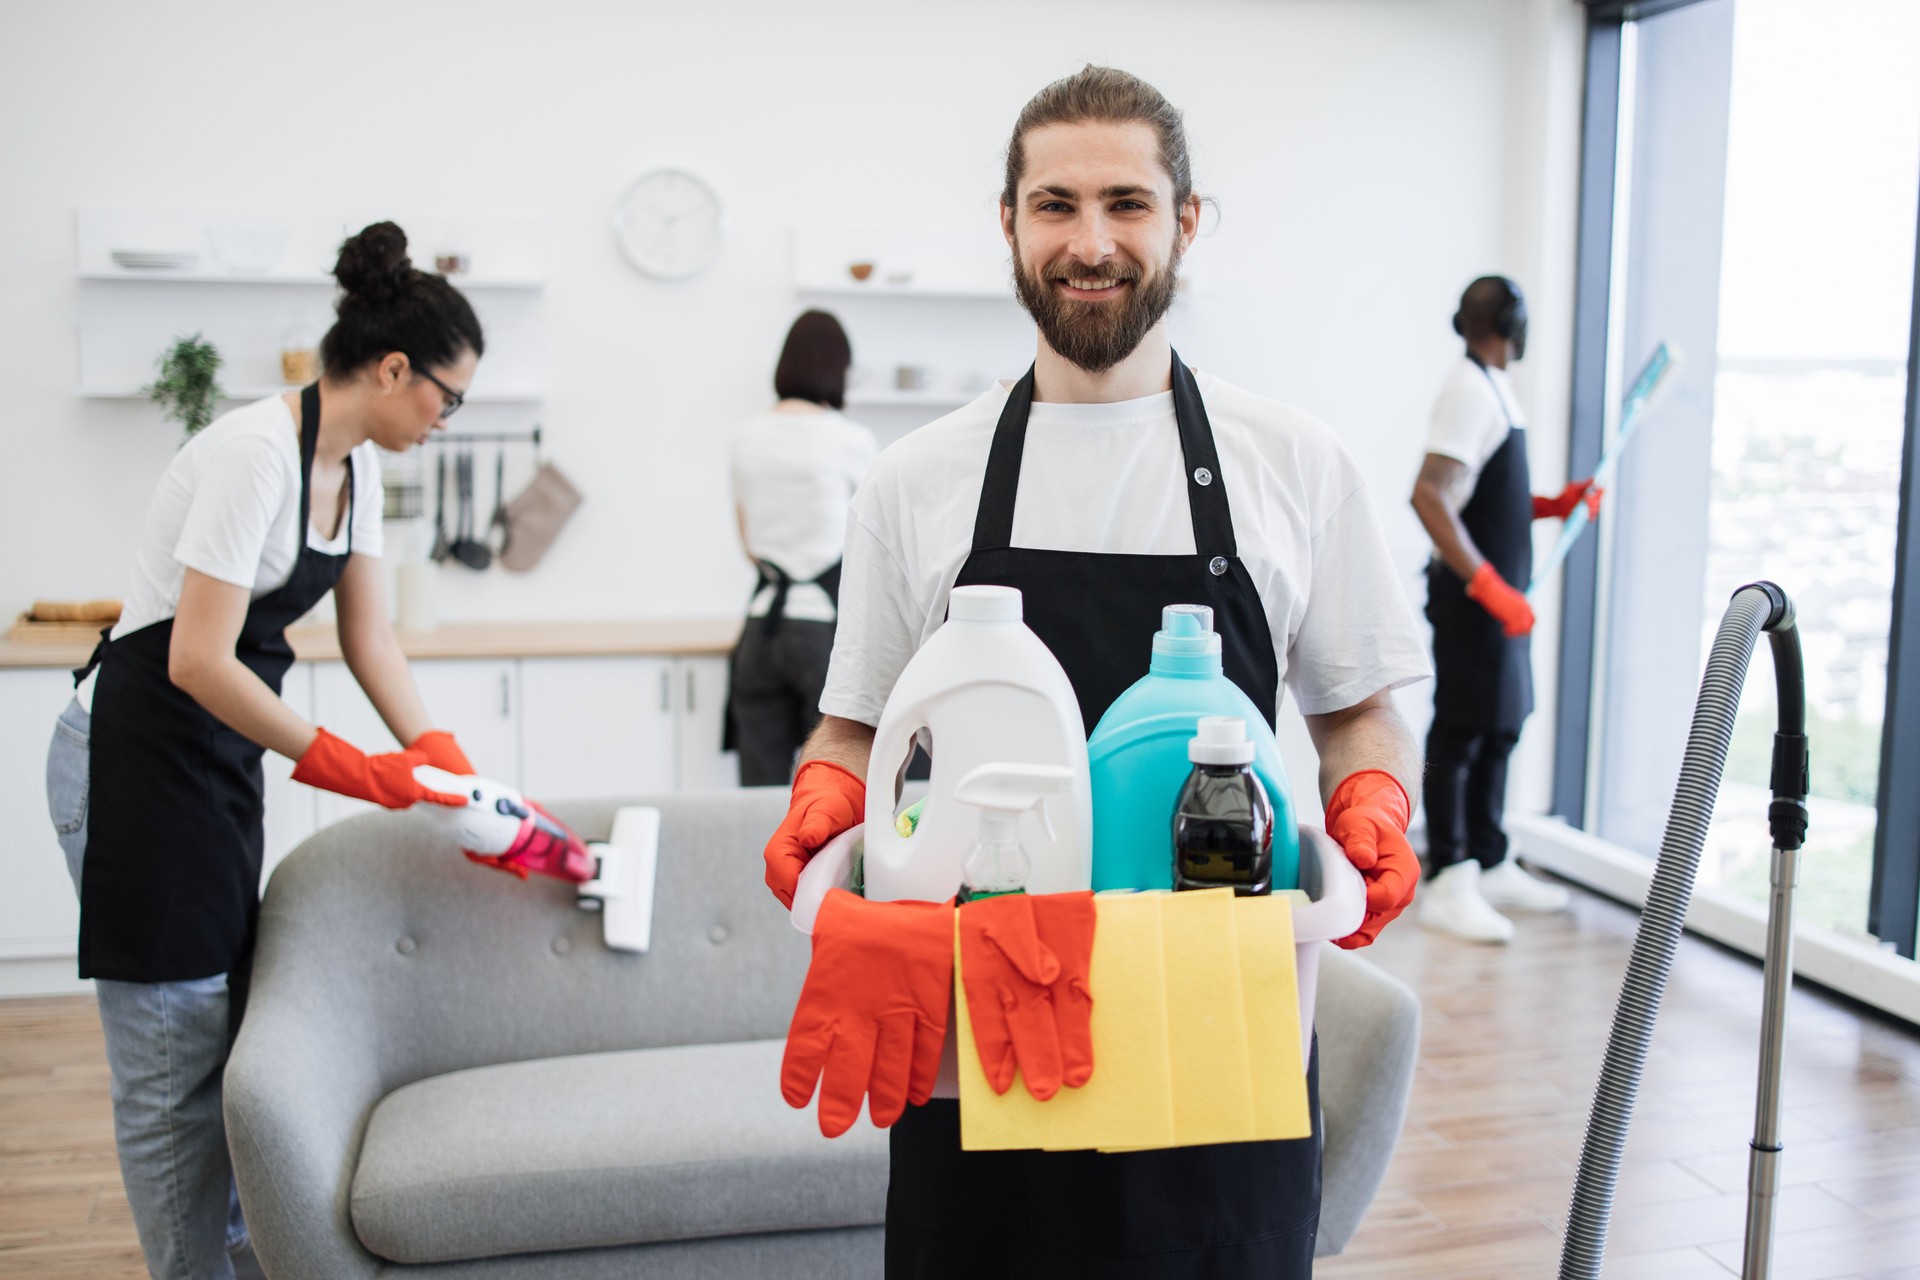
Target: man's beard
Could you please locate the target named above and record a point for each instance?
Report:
(1096, 336)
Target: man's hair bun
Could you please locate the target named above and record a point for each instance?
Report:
(374, 264)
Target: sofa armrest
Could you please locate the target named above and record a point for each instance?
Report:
(303, 1077)
(1368, 1024)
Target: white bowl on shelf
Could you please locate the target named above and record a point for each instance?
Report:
(247, 248)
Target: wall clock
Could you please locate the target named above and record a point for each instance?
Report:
(668, 224)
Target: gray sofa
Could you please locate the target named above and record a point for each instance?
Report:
(444, 1073)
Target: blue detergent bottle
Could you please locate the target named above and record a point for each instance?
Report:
(1138, 757)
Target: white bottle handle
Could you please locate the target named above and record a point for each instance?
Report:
(831, 868)
(1335, 885)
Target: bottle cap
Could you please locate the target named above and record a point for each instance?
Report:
(1186, 631)
(984, 604)
(1221, 740)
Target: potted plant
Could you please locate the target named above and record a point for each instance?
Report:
(185, 389)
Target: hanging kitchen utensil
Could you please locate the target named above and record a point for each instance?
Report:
(497, 522)
(466, 549)
(536, 516)
(440, 544)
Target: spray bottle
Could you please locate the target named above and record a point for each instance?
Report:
(1003, 792)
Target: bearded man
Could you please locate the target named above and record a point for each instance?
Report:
(1098, 485)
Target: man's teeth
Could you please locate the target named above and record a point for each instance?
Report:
(1098, 283)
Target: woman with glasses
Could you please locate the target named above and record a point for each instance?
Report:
(154, 776)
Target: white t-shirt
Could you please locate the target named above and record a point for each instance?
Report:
(794, 471)
(1470, 420)
(227, 505)
(1110, 478)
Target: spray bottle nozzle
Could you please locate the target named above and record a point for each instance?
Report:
(1002, 792)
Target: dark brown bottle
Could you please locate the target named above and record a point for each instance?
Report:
(1223, 821)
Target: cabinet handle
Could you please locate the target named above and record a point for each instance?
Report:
(666, 691)
(506, 695)
(690, 685)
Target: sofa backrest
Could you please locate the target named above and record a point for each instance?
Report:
(468, 966)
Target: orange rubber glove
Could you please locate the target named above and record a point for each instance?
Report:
(387, 779)
(872, 1016)
(442, 752)
(1024, 960)
(1508, 607)
(1368, 815)
(827, 800)
(1576, 492)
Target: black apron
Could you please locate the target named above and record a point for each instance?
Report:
(1483, 678)
(170, 886)
(1238, 1209)
(771, 575)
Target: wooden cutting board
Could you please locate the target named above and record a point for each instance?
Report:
(27, 630)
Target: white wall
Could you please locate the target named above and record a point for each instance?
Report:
(1369, 156)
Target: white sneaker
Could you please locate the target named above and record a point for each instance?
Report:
(1451, 903)
(1508, 886)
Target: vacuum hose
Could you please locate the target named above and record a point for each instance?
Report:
(1757, 607)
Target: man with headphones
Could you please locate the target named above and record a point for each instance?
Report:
(1475, 498)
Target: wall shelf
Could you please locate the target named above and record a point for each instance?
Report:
(247, 393)
(888, 398)
(164, 276)
(881, 289)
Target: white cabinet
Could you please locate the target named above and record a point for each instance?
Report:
(39, 914)
(477, 700)
(702, 691)
(598, 727)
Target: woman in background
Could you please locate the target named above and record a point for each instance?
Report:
(154, 777)
(795, 468)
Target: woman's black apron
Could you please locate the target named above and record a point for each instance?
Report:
(170, 886)
(1483, 678)
(771, 575)
(1239, 1209)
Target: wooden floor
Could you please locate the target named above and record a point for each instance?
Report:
(1478, 1191)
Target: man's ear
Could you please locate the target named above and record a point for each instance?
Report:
(1006, 223)
(1189, 220)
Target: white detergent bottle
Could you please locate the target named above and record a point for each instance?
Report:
(986, 690)
(997, 863)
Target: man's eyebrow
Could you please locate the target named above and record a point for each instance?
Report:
(1106, 193)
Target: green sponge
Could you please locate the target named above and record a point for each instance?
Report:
(909, 818)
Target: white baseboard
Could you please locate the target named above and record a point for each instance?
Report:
(41, 976)
(1869, 974)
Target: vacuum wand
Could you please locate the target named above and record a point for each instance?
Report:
(1755, 608)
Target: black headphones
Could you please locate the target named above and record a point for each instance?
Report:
(1509, 322)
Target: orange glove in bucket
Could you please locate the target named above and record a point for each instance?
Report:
(827, 800)
(872, 1016)
(1024, 960)
(1368, 815)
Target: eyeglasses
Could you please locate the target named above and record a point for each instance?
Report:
(454, 398)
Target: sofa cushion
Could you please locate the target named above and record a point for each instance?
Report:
(605, 1149)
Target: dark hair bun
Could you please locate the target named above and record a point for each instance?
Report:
(374, 264)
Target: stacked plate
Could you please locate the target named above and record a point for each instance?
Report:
(154, 259)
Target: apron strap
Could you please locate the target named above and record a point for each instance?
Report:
(309, 446)
(1206, 490)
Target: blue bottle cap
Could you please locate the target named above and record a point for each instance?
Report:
(1186, 643)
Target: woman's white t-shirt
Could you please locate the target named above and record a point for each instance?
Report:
(227, 506)
(1110, 478)
(794, 472)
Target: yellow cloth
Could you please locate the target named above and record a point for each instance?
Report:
(1195, 999)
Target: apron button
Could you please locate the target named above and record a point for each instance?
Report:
(717, 935)
(562, 945)
(405, 946)
(1202, 476)
(1217, 566)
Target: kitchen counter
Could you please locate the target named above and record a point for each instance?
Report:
(602, 638)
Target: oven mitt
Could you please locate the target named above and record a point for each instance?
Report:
(535, 517)
(872, 1017)
(1024, 961)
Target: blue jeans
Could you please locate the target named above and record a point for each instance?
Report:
(167, 1045)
